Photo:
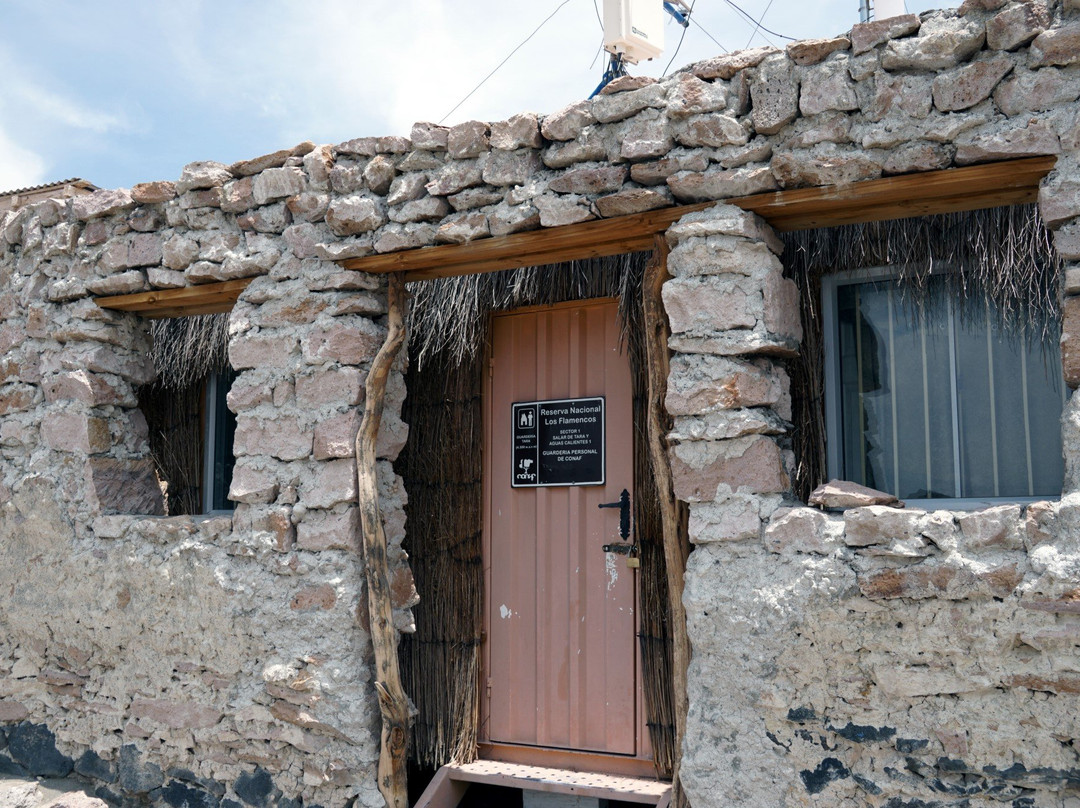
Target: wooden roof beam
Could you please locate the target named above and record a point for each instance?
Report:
(955, 189)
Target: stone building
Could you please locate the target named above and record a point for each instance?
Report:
(867, 655)
(65, 189)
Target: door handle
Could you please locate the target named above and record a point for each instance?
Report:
(624, 513)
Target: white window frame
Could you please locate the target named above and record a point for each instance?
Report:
(833, 411)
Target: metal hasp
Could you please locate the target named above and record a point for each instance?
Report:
(622, 549)
(624, 512)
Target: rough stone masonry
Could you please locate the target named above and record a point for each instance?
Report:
(875, 657)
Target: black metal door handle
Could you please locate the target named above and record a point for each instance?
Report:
(624, 513)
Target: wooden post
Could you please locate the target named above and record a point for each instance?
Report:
(393, 703)
(675, 549)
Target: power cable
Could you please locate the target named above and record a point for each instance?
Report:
(757, 25)
(596, 8)
(689, 16)
(710, 36)
(751, 19)
(504, 61)
(599, 50)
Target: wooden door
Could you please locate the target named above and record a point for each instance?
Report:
(560, 657)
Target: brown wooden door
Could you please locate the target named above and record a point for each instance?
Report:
(560, 655)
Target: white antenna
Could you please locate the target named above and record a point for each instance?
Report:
(880, 9)
(634, 29)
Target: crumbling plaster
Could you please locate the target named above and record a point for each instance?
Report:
(873, 658)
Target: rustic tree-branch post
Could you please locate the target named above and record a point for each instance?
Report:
(675, 549)
(393, 703)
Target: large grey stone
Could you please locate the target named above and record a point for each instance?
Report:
(718, 183)
(352, 215)
(511, 167)
(427, 136)
(202, 174)
(775, 95)
(692, 96)
(812, 51)
(844, 494)
(942, 42)
(708, 130)
(125, 486)
(1058, 46)
(516, 132)
(1037, 90)
(645, 136)
(726, 66)
(589, 180)
(867, 35)
(827, 86)
(620, 106)
(568, 122)
(1007, 141)
(823, 166)
(468, 139)
(1017, 25)
(967, 86)
(632, 200)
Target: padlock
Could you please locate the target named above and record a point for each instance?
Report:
(633, 562)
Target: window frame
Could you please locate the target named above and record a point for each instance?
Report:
(830, 285)
(216, 390)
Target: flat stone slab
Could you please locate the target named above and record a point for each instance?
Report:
(844, 494)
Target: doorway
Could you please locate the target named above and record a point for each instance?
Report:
(561, 662)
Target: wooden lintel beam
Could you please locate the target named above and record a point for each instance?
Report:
(537, 246)
(628, 244)
(955, 189)
(205, 298)
(834, 217)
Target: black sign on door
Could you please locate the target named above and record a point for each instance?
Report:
(559, 442)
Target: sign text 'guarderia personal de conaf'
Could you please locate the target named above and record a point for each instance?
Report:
(558, 442)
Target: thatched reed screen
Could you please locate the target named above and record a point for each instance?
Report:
(998, 258)
(441, 465)
(186, 352)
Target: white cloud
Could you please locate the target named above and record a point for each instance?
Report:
(19, 167)
(23, 94)
(54, 107)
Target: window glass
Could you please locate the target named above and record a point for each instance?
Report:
(938, 401)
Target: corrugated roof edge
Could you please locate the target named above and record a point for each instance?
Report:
(58, 184)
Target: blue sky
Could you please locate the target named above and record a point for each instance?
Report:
(119, 92)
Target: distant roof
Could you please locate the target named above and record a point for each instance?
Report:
(77, 181)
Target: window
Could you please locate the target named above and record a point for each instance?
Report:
(218, 458)
(936, 400)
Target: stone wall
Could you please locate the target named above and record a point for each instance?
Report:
(882, 658)
(199, 660)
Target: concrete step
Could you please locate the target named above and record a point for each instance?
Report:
(572, 789)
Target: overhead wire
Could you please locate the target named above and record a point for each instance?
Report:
(689, 17)
(596, 56)
(757, 25)
(739, 9)
(600, 20)
(710, 36)
(504, 61)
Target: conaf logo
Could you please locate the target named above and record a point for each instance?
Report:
(641, 34)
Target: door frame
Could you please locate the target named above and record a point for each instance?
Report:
(638, 764)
